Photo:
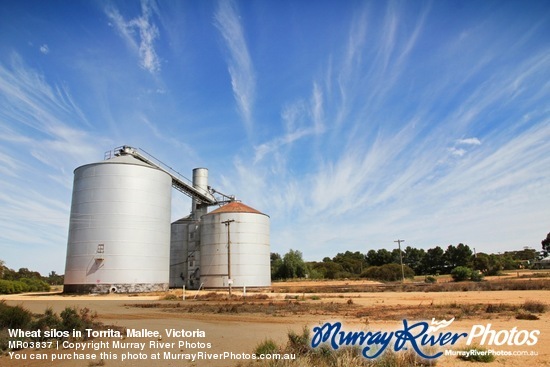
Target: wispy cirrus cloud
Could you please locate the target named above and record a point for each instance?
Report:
(139, 33)
(241, 68)
(449, 158)
(170, 140)
(380, 120)
(301, 119)
(343, 72)
(40, 145)
(44, 49)
(459, 150)
(469, 141)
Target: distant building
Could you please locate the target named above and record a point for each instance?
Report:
(542, 264)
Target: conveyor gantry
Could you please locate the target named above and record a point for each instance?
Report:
(179, 182)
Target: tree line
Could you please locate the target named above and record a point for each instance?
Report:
(25, 280)
(434, 261)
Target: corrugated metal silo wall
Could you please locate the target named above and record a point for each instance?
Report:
(119, 233)
(250, 250)
(178, 253)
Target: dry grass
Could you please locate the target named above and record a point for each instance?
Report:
(535, 306)
(298, 346)
(450, 310)
(272, 308)
(260, 306)
(536, 275)
(526, 316)
(494, 285)
(482, 356)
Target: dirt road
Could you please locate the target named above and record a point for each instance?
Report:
(240, 331)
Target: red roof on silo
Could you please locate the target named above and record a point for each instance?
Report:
(235, 207)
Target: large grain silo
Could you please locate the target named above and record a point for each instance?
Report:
(235, 247)
(119, 232)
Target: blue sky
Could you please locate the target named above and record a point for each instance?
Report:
(351, 123)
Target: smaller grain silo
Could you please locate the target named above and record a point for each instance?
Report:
(179, 247)
(185, 239)
(185, 253)
(235, 247)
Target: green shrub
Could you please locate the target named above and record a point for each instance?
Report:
(19, 286)
(17, 317)
(461, 273)
(4, 340)
(72, 318)
(476, 276)
(388, 272)
(23, 285)
(482, 355)
(6, 287)
(14, 317)
(324, 356)
(50, 320)
(298, 343)
(35, 285)
(268, 346)
(430, 279)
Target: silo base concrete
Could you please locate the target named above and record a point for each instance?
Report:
(115, 288)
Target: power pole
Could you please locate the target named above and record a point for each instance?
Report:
(229, 281)
(401, 258)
